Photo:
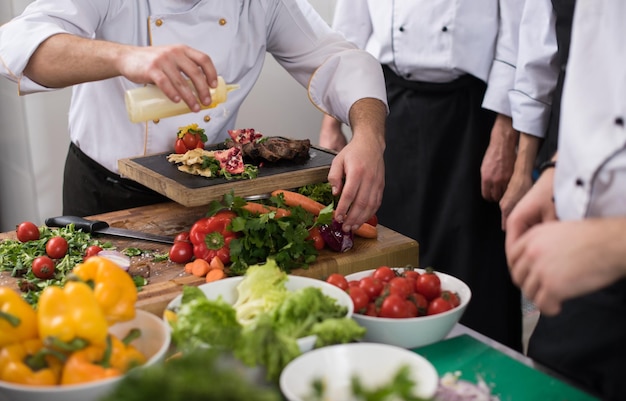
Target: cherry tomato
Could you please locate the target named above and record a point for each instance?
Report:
(43, 267)
(181, 252)
(179, 147)
(200, 145)
(359, 299)
(400, 286)
(372, 287)
(190, 140)
(182, 237)
(420, 302)
(353, 283)
(394, 306)
(373, 221)
(316, 237)
(56, 247)
(451, 297)
(338, 280)
(91, 250)
(438, 305)
(371, 310)
(27, 231)
(411, 274)
(429, 285)
(384, 274)
(412, 309)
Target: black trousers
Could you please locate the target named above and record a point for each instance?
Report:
(89, 188)
(586, 342)
(437, 135)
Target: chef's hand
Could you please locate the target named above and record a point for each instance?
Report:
(361, 165)
(497, 165)
(165, 65)
(63, 60)
(521, 180)
(331, 136)
(536, 207)
(556, 261)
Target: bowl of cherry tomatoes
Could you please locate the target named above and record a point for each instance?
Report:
(406, 307)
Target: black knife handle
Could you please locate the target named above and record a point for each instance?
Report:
(88, 226)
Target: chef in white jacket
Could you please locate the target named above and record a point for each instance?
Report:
(449, 66)
(104, 47)
(566, 238)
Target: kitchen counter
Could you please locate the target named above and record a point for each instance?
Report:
(166, 279)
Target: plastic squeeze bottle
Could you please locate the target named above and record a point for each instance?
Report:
(150, 103)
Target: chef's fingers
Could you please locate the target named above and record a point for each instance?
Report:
(202, 73)
(547, 303)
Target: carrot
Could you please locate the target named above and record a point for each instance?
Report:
(294, 199)
(200, 268)
(215, 274)
(216, 263)
(366, 231)
(188, 267)
(258, 208)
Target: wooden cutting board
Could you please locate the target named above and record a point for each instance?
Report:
(166, 279)
(160, 175)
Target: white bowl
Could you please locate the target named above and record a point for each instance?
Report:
(416, 331)
(227, 289)
(375, 365)
(154, 342)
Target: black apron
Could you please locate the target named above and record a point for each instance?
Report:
(89, 188)
(437, 135)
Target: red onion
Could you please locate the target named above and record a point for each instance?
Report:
(336, 238)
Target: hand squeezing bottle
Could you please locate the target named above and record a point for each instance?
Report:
(150, 103)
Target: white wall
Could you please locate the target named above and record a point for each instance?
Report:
(34, 139)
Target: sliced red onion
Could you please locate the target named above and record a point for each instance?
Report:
(116, 257)
(336, 238)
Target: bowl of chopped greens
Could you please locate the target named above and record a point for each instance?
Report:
(266, 317)
(359, 371)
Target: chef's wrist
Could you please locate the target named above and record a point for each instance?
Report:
(548, 164)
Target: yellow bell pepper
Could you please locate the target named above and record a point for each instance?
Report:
(114, 288)
(18, 320)
(71, 314)
(89, 364)
(29, 363)
(124, 355)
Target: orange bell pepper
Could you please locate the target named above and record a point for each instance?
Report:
(28, 362)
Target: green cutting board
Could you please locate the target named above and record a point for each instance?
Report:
(509, 379)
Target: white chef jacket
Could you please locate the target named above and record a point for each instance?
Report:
(537, 69)
(439, 40)
(590, 179)
(236, 34)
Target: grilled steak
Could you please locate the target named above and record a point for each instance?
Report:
(276, 148)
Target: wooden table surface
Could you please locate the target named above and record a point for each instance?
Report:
(166, 279)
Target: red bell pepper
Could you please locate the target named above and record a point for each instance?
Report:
(211, 237)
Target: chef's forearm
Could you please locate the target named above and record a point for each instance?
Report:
(64, 60)
(367, 117)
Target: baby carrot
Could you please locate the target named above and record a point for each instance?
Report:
(200, 268)
(294, 199)
(215, 274)
(216, 263)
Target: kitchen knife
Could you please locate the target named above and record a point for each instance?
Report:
(102, 227)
